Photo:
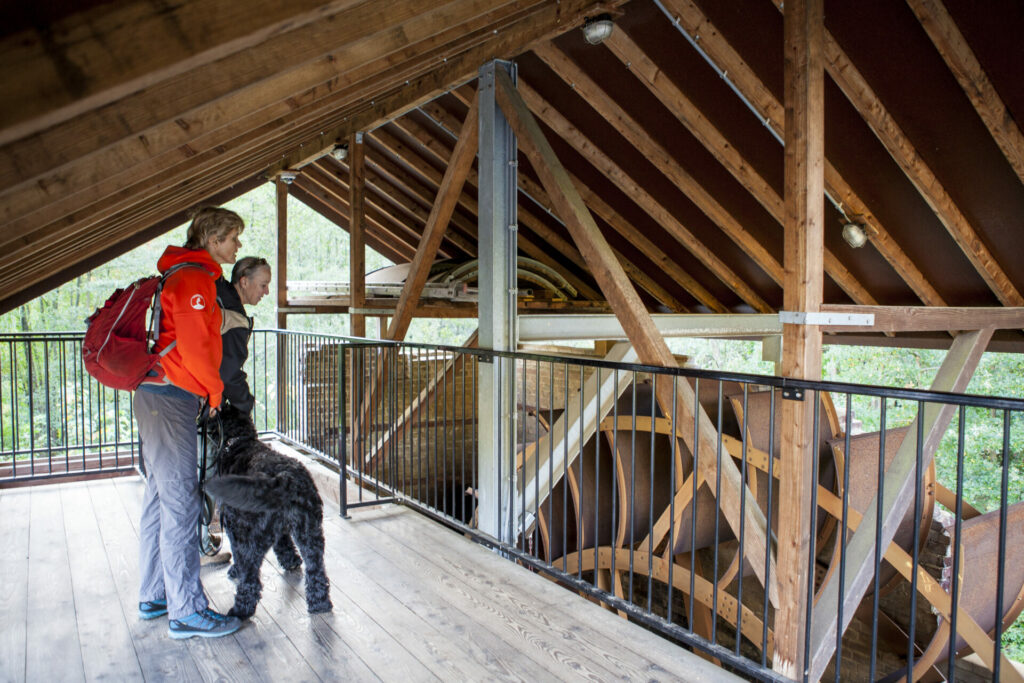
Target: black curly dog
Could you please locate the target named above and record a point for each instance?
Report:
(267, 499)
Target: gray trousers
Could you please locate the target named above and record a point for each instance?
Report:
(168, 534)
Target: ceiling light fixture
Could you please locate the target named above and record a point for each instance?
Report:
(597, 29)
(288, 176)
(340, 152)
(854, 235)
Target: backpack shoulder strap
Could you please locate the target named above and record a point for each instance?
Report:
(157, 308)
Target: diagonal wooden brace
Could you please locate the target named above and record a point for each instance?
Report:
(650, 346)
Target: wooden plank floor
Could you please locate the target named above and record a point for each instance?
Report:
(413, 601)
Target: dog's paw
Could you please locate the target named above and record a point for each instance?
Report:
(241, 612)
(292, 565)
(320, 607)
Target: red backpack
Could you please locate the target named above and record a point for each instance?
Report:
(116, 348)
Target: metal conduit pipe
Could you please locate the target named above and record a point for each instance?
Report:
(724, 75)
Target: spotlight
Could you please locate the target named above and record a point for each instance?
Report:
(596, 29)
(854, 235)
(340, 152)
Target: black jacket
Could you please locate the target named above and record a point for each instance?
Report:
(234, 333)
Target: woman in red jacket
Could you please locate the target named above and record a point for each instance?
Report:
(166, 409)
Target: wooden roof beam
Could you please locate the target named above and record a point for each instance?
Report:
(440, 155)
(409, 215)
(634, 58)
(397, 198)
(414, 191)
(929, 318)
(253, 128)
(960, 59)
(863, 98)
(537, 193)
(448, 195)
(333, 189)
(395, 251)
(649, 344)
(380, 225)
(90, 58)
(175, 111)
(562, 127)
(18, 272)
(414, 194)
(770, 110)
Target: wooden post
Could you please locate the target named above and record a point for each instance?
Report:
(801, 347)
(357, 250)
(282, 297)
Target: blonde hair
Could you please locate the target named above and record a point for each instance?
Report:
(212, 221)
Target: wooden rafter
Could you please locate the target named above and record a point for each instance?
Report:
(960, 59)
(393, 250)
(432, 175)
(403, 203)
(538, 195)
(163, 117)
(447, 197)
(333, 189)
(715, 142)
(649, 344)
(560, 125)
(56, 75)
(536, 225)
(438, 152)
(179, 161)
(866, 102)
(693, 20)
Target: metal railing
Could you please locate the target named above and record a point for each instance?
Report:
(597, 494)
(601, 486)
(57, 421)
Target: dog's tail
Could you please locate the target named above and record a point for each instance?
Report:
(251, 492)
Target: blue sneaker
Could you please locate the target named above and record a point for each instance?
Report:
(152, 609)
(205, 624)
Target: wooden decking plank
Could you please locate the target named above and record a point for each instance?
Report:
(324, 650)
(219, 659)
(158, 659)
(264, 641)
(479, 574)
(606, 638)
(51, 602)
(413, 601)
(380, 649)
(14, 526)
(107, 648)
(440, 628)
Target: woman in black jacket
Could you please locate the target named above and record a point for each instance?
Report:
(250, 279)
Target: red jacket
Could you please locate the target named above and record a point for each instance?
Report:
(191, 316)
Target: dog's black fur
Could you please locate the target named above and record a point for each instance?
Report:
(267, 499)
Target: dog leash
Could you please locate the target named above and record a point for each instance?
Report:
(203, 423)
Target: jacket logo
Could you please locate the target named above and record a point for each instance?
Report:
(198, 302)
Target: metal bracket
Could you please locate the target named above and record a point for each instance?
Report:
(793, 393)
(819, 318)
